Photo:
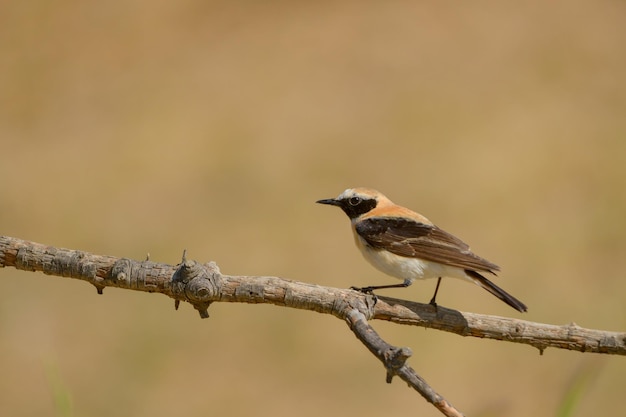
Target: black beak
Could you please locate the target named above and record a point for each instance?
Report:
(330, 202)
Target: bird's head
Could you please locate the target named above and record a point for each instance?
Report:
(357, 201)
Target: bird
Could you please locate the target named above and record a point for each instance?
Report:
(406, 245)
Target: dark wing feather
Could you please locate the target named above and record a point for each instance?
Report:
(405, 237)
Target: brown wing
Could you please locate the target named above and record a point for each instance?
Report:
(405, 237)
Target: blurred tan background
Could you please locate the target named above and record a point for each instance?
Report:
(130, 127)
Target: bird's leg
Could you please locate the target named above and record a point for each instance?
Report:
(368, 290)
(433, 301)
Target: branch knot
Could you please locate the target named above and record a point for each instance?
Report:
(394, 359)
(199, 284)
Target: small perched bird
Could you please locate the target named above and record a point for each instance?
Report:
(406, 245)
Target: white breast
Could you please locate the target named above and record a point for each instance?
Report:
(404, 268)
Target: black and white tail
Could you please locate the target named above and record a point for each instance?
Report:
(497, 291)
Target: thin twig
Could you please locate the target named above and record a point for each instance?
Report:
(394, 359)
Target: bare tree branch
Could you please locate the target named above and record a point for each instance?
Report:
(569, 336)
(394, 359)
(203, 284)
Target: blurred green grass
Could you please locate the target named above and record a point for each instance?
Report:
(61, 396)
(579, 384)
(135, 127)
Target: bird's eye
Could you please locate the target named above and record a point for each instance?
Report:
(355, 201)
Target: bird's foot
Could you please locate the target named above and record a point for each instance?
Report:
(367, 291)
(364, 290)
